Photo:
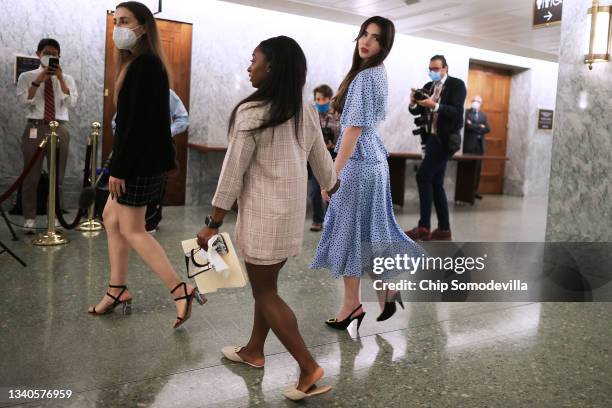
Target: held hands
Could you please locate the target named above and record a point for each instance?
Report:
(204, 235)
(325, 195)
(116, 187)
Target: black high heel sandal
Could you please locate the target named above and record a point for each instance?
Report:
(390, 307)
(343, 324)
(126, 305)
(189, 298)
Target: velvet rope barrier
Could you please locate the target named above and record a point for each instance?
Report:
(39, 151)
(86, 176)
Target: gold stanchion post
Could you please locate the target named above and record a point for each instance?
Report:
(51, 237)
(92, 225)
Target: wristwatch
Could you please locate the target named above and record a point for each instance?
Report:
(210, 223)
(35, 84)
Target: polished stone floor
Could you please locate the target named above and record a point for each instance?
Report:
(430, 355)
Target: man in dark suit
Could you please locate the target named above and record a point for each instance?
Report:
(476, 127)
(444, 109)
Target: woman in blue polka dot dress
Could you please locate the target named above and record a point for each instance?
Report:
(360, 214)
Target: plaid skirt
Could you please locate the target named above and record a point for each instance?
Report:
(141, 190)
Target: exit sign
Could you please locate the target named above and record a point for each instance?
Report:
(546, 12)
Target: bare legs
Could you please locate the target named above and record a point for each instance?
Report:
(351, 297)
(272, 313)
(125, 229)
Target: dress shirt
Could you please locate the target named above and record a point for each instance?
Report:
(36, 106)
(179, 118)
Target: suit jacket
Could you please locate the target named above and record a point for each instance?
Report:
(450, 112)
(266, 171)
(473, 135)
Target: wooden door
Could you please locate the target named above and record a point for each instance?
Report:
(176, 42)
(493, 84)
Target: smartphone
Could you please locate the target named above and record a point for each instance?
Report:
(53, 63)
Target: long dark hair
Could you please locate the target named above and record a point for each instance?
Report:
(387, 36)
(283, 86)
(149, 42)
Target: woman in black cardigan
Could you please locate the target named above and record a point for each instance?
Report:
(142, 153)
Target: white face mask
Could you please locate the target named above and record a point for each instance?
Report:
(476, 106)
(124, 38)
(44, 60)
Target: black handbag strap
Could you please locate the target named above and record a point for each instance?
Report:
(221, 249)
(191, 258)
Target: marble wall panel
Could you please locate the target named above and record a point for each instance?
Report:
(79, 27)
(581, 172)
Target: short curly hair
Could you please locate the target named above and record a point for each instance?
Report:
(324, 90)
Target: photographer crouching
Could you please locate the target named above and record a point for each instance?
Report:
(439, 107)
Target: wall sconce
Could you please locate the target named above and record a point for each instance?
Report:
(599, 31)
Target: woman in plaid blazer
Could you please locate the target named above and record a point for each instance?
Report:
(272, 135)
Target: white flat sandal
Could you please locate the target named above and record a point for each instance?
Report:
(296, 395)
(231, 353)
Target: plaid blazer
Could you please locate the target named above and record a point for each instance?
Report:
(266, 172)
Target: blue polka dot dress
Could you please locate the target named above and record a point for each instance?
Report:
(360, 214)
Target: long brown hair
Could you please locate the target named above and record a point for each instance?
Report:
(148, 42)
(387, 36)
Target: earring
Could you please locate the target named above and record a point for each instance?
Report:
(268, 69)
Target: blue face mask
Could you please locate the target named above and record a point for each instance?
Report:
(322, 108)
(435, 76)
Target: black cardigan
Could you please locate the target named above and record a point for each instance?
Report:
(143, 143)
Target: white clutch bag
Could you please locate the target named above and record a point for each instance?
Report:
(217, 268)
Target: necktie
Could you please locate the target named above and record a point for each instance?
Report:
(436, 98)
(49, 101)
(476, 115)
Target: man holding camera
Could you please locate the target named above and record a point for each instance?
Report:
(46, 93)
(440, 105)
(330, 127)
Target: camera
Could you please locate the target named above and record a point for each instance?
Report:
(423, 122)
(420, 121)
(53, 64)
(328, 135)
(419, 131)
(421, 94)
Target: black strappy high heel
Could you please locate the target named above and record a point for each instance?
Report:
(343, 324)
(126, 305)
(189, 298)
(390, 307)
